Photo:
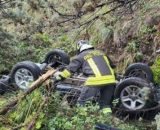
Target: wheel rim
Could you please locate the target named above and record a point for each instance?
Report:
(138, 73)
(54, 59)
(23, 77)
(132, 98)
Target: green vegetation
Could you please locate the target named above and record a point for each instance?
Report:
(57, 114)
(31, 28)
(156, 70)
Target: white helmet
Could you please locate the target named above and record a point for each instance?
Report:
(83, 45)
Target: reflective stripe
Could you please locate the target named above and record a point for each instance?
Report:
(94, 67)
(102, 80)
(65, 73)
(103, 67)
(106, 59)
(106, 110)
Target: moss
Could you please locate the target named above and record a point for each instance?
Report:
(156, 70)
(146, 30)
(139, 57)
(44, 38)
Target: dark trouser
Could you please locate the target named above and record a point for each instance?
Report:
(106, 95)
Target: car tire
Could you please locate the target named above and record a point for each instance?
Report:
(140, 70)
(34, 65)
(57, 57)
(3, 86)
(125, 100)
(23, 73)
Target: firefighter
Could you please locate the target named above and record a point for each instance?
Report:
(99, 74)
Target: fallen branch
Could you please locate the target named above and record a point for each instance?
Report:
(71, 19)
(74, 16)
(61, 14)
(96, 17)
(105, 13)
(33, 86)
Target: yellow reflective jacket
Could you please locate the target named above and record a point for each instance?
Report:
(94, 65)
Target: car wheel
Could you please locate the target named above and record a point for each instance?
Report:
(140, 70)
(130, 93)
(2, 88)
(5, 84)
(23, 73)
(57, 57)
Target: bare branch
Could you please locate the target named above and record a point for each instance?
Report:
(61, 14)
(3, 2)
(132, 2)
(75, 16)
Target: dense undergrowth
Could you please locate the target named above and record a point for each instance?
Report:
(29, 29)
(156, 70)
(56, 114)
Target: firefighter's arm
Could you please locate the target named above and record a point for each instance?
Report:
(73, 67)
(65, 74)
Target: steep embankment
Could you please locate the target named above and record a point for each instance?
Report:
(32, 27)
(29, 30)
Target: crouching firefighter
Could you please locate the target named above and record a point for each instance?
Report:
(100, 77)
